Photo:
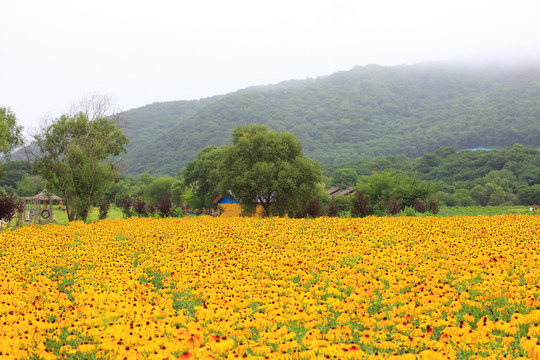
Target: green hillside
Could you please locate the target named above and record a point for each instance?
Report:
(368, 111)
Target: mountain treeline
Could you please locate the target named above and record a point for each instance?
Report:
(507, 176)
(367, 112)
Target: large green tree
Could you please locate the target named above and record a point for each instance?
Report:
(269, 168)
(203, 176)
(10, 132)
(78, 154)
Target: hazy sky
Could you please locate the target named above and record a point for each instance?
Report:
(55, 52)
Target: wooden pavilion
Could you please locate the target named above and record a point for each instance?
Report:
(40, 207)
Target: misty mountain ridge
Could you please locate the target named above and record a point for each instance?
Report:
(368, 111)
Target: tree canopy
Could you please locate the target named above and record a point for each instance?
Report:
(483, 177)
(77, 153)
(268, 168)
(165, 186)
(10, 132)
(203, 174)
(394, 187)
(344, 178)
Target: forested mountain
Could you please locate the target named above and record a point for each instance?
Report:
(368, 111)
(147, 124)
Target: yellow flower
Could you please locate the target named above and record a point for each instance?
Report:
(162, 287)
(261, 349)
(385, 345)
(219, 344)
(528, 343)
(366, 339)
(534, 330)
(534, 352)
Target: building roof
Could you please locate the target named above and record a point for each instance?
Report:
(225, 199)
(348, 191)
(44, 195)
(229, 196)
(333, 190)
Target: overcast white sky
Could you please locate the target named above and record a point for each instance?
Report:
(55, 52)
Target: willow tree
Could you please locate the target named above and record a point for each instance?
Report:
(268, 168)
(78, 154)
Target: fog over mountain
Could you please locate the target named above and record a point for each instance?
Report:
(57, 52)
(368, 111)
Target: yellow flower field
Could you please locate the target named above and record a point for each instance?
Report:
(195, 288)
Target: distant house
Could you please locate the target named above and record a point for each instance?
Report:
(337, 191)
(228, 206)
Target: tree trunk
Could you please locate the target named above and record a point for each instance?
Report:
(266, 208)
(69, 208)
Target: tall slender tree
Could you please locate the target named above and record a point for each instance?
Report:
(78, 154)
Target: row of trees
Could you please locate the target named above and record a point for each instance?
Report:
(151, 189)
(385, 193)
(268, 168)
(19, 179)
(78, 156)
(506, 176)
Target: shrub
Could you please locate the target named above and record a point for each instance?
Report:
(432, 206)
(419, 206)
(388, 186)
(409, 211)
(8, 207)
(179, 212)
(165, 207)
(392, 206)
(361, 206)
(126, 208)
(152, 209)
(140, 207)
(312, 209)
(333, 210)
(379, 210)
(344, 202)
